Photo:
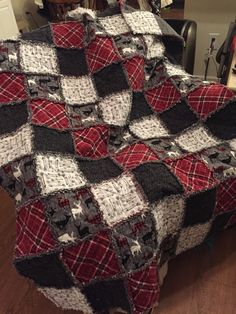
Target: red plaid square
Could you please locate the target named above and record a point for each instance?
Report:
(163, 97)
(33, 233)
(48, 113)
(208, 99)
(192, 173)
(11, 87)
(92, 142)
(92, 259)
(226, 196)
(68, 34)
(144, 288)
(101, 52)
(134, 155)
(135, 71)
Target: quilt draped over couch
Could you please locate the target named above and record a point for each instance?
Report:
(116, 158)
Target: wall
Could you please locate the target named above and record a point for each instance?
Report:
(212, 16)
(21, 6)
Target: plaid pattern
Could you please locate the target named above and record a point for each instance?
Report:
(144, 289)
(68, 34)
(32, 230)
(207, 99)
(192, 173)
(226, 200)
(11, 87)
(134, 155)
(92, 142)
(95, 258)
(45, 112)
(100, 53)
(135, 71)
(163, 97)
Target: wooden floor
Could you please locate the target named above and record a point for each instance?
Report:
(201, 281)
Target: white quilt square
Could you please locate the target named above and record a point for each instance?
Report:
(192, 236)
(155, 49)
(148, 127)
(118, 198)
(196, 139)
(15, 145)
(142, 22)
(78, 90)
(57, 173)
(175, 70)
(116, 108)
(168, 215)
(114, 25)
(38, 59)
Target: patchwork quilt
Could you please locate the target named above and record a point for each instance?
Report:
(116, 158)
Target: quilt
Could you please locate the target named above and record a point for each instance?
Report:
(117, 159)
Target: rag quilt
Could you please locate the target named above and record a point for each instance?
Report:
(116, 158)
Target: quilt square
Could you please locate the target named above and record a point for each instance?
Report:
(130, 45)
(222, 123)
(207, 99)
(72, 61)
(118, 198)
(148, 127)
(94, 258)
(99, 170)
(38, 59)
(178, 118)
(168, 215)
(58, 173)
(196, 139)
(9, 59)
(135, 154)
(100, 53)
(199, 207)
(142, 22)
(73, 215)
(48, 113)
(192, 236)
(43, 35)
(33, 233)
(46, 271)
(194, 175)
(165, 148)
(44, 86)
(140, 107)
(187, 84)
(16, 145)
(51, 140)
(8, 123)
(92, 142)
(226, 200)
(157, 181)
(115, 109)
(117, 140)
(19, 179)
(155, 48)
(68, 34)
(114, 25)
(78, 90)
(11, 87)
(135, 72)
(83, 115)
(163, 97)
(110, 80)
(175, 70)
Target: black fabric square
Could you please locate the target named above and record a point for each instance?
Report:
(46, 271)
(199, 208)
(12, 117)
(168, 248)
(50, 140)
(140, 107)
(157, 181)
(98, 170)
(223, 123)
(110, 80)
(42, 34)
(178, 117)
(106, 295)
(219, 223)
(72, 61)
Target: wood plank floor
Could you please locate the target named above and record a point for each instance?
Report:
(201, 281)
